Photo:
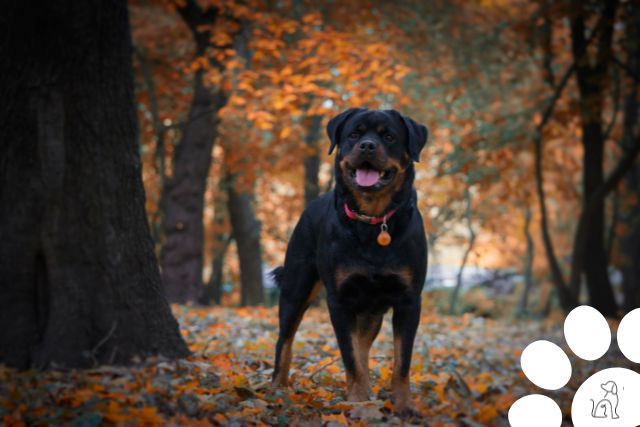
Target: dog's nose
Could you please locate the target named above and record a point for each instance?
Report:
(368, 145)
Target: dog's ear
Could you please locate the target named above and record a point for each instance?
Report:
(610, 387)
(417, 135)
(334, 127)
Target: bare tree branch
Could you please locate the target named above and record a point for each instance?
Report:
(627, 68)
(472, 239)
(566, 298)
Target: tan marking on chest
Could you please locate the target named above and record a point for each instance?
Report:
(343, 273)
(404, 274)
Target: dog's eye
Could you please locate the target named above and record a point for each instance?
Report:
(353, 136)
(389, 138)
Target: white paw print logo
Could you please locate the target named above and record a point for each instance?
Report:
(610, 397)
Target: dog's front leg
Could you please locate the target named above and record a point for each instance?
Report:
(362, 337)
(345, 327)
(367, 329)
(405, 324)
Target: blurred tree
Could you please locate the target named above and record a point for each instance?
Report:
(523, 305)
(212, 292)
(290, 75)
(470, 70)
(164, 72)
(472, 240)
(221, 31)
(312, 160)
(566, 298)
(159, 130)
(593, 49)
(473, 82)
(630, 240)
(464, 78)
(592, 72)
(79, 283)
(246, 232)
(183, 193)
(245, 227)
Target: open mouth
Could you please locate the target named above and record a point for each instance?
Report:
(367, 176)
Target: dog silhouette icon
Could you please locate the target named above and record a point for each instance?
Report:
(608, 405)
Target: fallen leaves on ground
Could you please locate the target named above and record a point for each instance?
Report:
(465, 372)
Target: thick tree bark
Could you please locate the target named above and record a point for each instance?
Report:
(246, 232)
(183, 198)
(591, 84)
(79, 283)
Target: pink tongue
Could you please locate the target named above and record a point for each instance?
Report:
(367, 177)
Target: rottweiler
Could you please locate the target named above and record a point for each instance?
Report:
(364, 241)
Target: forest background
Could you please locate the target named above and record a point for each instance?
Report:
(528, 173)
(528, 187)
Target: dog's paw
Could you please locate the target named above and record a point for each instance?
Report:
(608, 398)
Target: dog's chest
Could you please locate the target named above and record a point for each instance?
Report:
(372, 289)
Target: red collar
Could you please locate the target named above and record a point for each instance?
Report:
(369, 219)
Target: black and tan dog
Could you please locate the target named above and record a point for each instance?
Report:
(365, 242)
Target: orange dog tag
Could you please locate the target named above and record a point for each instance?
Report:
(384, 238)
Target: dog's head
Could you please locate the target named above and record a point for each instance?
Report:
(609, 387)
(376, 149)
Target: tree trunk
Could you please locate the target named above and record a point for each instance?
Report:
(246, 232)
(613, 224)
(79, 283)
(565, 296)
(183, 198)
(528, 265)
(595, 256)
(312, 160)
(630, 246)
(630, 242)
(159, 130)
(566, 299)
(472, 240)
(212, 291)
(591, 84)
(245, 228)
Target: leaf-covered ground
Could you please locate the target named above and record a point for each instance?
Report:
(465, 372)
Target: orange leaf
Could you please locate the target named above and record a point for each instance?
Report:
(486, 414)
(337, 418)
